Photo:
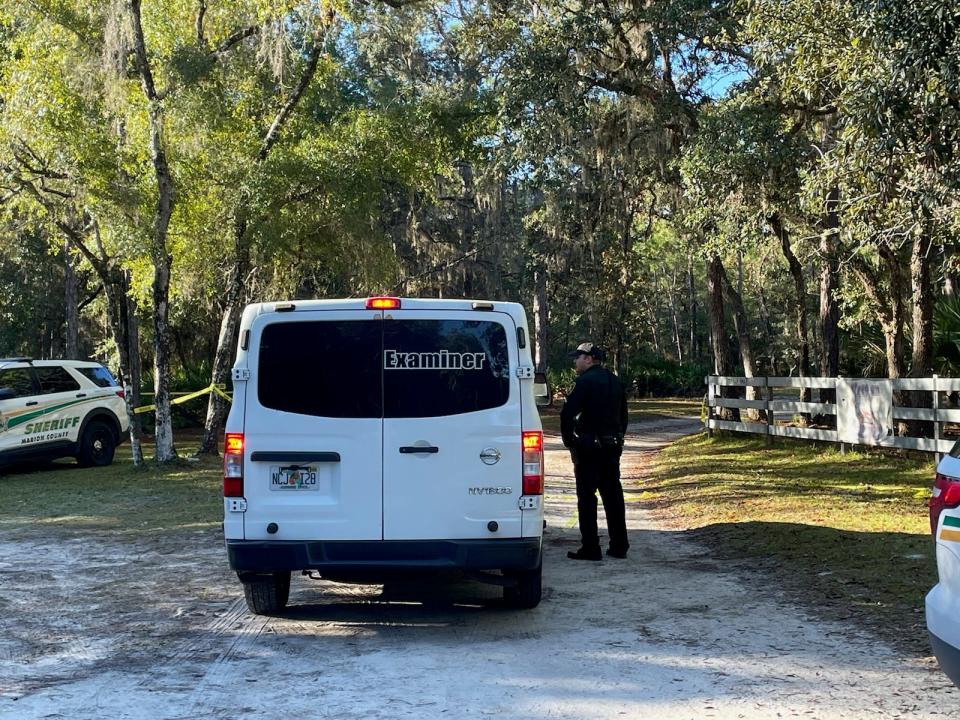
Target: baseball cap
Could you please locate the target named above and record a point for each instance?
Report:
(588, 348)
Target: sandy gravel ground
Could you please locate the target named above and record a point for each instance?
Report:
(96, 626)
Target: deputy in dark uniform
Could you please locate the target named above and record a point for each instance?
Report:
(592, 423)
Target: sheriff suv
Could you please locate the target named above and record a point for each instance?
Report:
(943, 601)
(59, 408)
(384, 437)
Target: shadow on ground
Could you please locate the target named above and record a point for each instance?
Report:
(838, 572)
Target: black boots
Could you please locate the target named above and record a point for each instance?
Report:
(585, 554)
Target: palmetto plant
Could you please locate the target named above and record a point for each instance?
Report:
(946, 336)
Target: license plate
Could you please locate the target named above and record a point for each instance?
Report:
(297, 477)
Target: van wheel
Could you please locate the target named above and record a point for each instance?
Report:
(266, 594)
(97, 445)
(528, 590)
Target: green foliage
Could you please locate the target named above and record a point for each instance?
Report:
(652, 376)
(946, 336)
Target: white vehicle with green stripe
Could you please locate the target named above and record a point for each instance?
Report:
(943, 602)
(59, 408)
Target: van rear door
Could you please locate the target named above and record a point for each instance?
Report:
(313, 426)
(452, 456)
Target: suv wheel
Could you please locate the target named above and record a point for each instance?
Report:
(527, 592)
(97, 445)
(266, 594)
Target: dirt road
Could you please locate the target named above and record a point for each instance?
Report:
(106, 626)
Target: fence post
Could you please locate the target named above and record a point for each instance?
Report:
(709, 408)
(836, 414)
(936, 419)
(769, 398)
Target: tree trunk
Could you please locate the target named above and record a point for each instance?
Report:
(71, 305)
(675, 317)
(889, 305)
(742, 327)
(692, 310)
(829, 307)
(951, 281)
(226, 341)
(162, 260)
(722, 360)
(164, 450)
(922, 301)
(541, 319)
(800, 307)
(893, 319)
(127, 340)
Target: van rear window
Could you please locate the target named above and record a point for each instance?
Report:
(328, 369)
(434, 368)
(393, 368)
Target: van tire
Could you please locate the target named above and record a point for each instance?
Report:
(267, 594)
(97, 445)
(526, 594)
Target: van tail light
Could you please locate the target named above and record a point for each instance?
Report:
(946, 494)
(533, 462)
(233, 465)
(122, 394)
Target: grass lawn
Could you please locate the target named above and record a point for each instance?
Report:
(120, 499)
(638, 411)
(847, 534)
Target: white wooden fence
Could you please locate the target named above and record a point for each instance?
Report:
(767, 387)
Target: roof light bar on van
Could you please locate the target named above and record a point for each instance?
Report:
(532, 443)
(383, 303)
(233, 465)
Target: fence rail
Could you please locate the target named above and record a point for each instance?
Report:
(866, 410)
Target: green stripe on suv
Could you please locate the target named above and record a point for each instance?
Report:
(53, 408)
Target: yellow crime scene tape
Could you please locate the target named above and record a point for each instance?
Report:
(212, 388)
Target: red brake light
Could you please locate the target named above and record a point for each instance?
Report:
(532, 443)
(383, 303)
(946, 494)
(233, 465)
(121, 394)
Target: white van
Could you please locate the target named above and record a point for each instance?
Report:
(375, 436)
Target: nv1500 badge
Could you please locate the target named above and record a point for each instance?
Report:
(491, 491)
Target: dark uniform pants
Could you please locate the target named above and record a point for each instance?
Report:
(599, 470)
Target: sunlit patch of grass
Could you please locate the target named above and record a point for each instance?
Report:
(119, 498)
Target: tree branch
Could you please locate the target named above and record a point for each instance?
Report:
(140, 51)
(232, 40)
(201, 13)
(309, 71)
(93, 296)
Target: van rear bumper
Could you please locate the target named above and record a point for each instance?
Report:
(255, 556)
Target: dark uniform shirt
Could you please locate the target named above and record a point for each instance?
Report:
(597, 407)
